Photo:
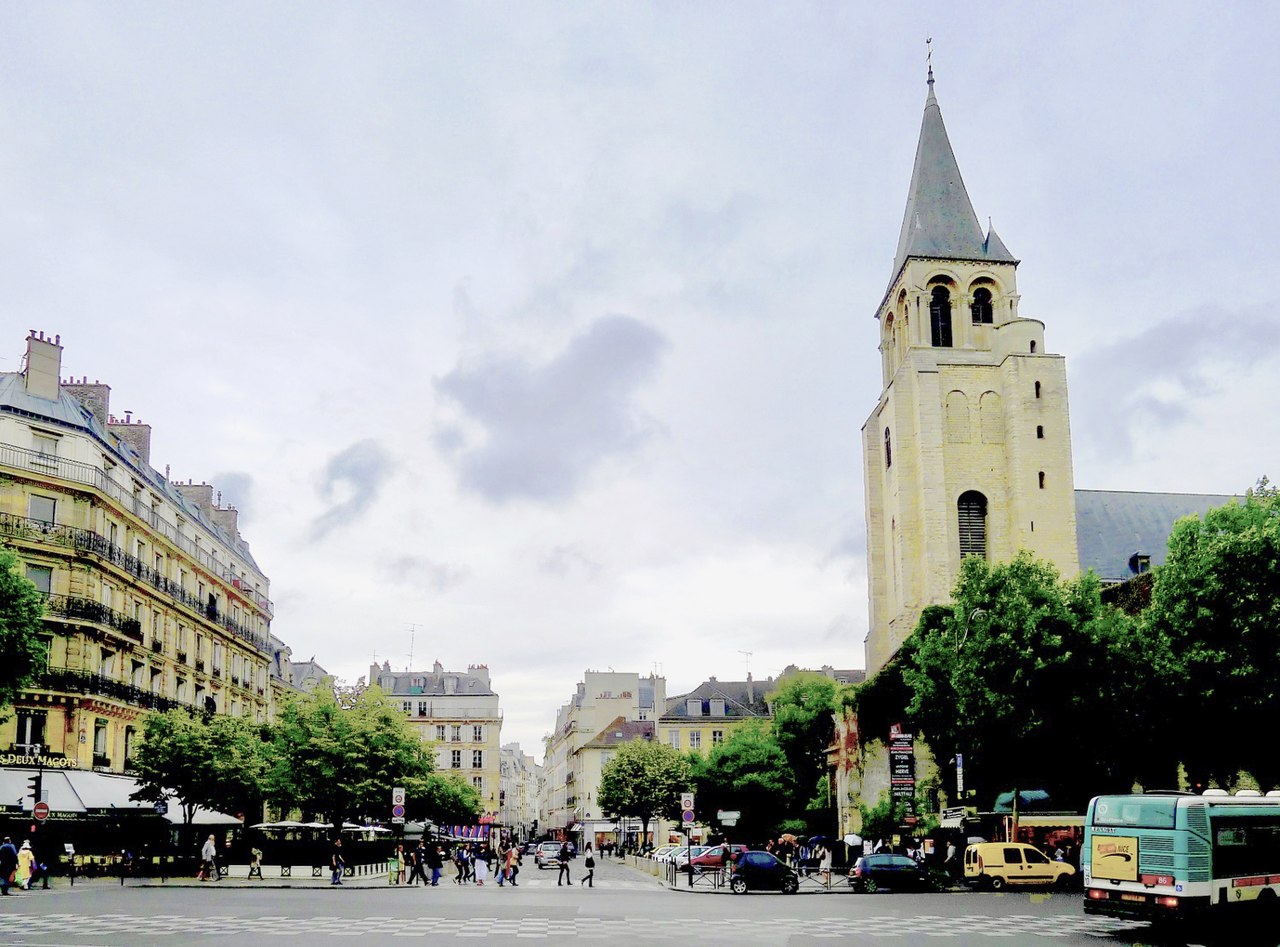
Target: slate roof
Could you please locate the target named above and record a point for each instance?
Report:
(939, 221)
(400, 684)
(1113, 525)
(622, 730)
(738, 703)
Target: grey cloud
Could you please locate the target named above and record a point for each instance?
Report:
(420, 570)
(562, 560)
(546, 427)
(358, 473)
(1152, 380)
(237, 490)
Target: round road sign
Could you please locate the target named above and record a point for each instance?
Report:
(398, 811)
(41, 811)
(687, 815)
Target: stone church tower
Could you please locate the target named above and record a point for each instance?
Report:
(968, 450)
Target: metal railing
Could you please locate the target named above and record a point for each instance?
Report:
(85, 609)
(74, 681)
(37, 462)
(84, 540)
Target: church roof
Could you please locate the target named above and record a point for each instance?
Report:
(940, 220)
(1112, 526)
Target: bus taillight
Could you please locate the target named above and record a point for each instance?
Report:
(1167, 902)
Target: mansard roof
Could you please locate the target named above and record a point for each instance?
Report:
(940, 221)
(741, 699)
(622, 730)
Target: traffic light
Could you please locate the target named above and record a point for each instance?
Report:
(34, 785)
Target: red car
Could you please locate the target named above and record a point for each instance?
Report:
(715, 857)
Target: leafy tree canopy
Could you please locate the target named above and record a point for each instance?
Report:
(1216, 603)
(804, 707)
(747, 773)
(344, 760)
(644, 780)
(22, 653)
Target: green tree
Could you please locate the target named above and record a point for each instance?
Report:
(446, 799)
(22, 653)
(1023, 674)
(344, 760)
(644, 780)
(804, 707)
(218, 764)
(749, 774)
(1216, 602)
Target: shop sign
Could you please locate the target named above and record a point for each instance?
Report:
(35, 762)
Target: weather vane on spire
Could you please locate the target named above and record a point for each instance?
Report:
(928, 59)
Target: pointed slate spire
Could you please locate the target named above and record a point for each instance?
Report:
(940, 221)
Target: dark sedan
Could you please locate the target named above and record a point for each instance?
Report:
(872, 873)
(761, 871)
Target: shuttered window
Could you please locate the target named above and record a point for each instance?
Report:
(973, 524)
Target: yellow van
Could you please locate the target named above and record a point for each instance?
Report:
(994, 865)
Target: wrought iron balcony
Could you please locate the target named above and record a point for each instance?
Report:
(182, 657)
(157, 645)
(72, 681)
(87, 610)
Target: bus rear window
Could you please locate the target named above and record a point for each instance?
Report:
(1135, 811)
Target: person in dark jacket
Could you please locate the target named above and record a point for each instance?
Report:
(8, 864)
(563, 859)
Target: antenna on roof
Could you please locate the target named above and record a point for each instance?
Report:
(413, 632)
(748, 660)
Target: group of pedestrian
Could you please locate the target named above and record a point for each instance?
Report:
(19, 866)
(564, 856)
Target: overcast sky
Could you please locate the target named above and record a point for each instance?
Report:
(548, 328)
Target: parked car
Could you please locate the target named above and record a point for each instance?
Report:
(681, 855)
(872, 873)
(762, 871)
(547, 855)
(997, 864)
(660, 853)
(714, 857)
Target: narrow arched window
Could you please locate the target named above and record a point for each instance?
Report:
(940, 317)
(888, 449)
(981, 306)
(1037, 389)
(1033, 348)
(972, 510)
(1042, 480)
(1040, 431)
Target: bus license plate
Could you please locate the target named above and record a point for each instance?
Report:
(1133, 897)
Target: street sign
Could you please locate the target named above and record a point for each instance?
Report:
(686, 801)
(162, 807)
(397, 820)
(397, 796)
(727, 815)
(41, 811)
(397, 812)
(687, 816)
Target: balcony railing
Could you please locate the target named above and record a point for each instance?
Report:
(51, 465)
(157, 646)
(182, 657)
(84, 609)
(72, 681)
(199, 664)
(84, 540)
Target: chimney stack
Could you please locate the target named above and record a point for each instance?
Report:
(44, 366)
(134, 433)
(96, 397)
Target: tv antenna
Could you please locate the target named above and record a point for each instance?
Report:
(413, 633)
(747, 658)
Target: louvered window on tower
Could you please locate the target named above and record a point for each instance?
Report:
(940, 317)
(981, 307)
(973, 524)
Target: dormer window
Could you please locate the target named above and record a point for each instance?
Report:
(693, 707)
(940, 318)
(981, 306)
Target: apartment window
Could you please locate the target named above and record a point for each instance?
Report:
(99, 737)
(41, 509)
(455, 733)
(408, 707)
(477, 734)
(30, 728)
(674, 739)
(477, 759)
(440, 732)
(423, 706)
(478, 783)
(41, 577)
(717, 737)
(129, 734)
(455, 759)
(695, 739)
(135, 675)
(46, 446)
(717, 706)
(180, 689)
(693, 707)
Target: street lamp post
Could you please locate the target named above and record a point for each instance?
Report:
(959, 642)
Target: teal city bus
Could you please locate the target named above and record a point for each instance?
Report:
(1167, 855)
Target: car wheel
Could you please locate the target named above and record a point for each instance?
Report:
(1063, 882)
(869, 886)
(790, 884)
(738, 885)
(997, 883)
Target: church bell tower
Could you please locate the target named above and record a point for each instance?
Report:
(968, 449)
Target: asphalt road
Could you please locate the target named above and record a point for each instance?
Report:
(625, 907)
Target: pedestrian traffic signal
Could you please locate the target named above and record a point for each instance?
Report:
(33, 784)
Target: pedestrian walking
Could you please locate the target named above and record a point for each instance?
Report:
(460, 862)
(337, 863)
(8, 864)
(400, 864)
(435, 861)
(563, 859)
(481, 865)
(590, 864)
(209, 861)
(513, 863)
(824, 864)
(26, 864)
(417, 862)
